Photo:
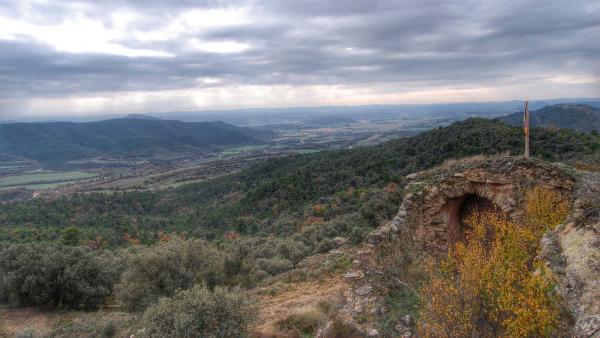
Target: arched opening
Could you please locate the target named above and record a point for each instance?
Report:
(458, 210)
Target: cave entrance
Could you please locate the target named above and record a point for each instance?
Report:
(458, 210)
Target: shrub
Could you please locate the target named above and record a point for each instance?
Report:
(25, 333)
(71, 236)
(161, 269)
(342, 329)
(274, 265)
(491, 285)
(40, 274)
(301, 324)
(325, 245)
(109, 329)
(199, 312)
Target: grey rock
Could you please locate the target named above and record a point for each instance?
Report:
(588, 327)
(364, 290)
(402, 329)
(375, 237)
(412, 176)
(354, 275)
(372, 333)
(339, 241)
(407, 320)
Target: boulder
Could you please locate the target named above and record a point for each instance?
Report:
(364, 290)
(412, 176)
(339, 241)
(354, 275)
(372, 333)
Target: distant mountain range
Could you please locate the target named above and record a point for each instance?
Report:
(135, 135)
(267, 116)
(580, 117)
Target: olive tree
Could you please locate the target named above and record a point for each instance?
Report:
(161, 269)
(200, 312)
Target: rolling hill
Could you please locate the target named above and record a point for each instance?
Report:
(129, 136)
(578, 117)
(276, 196)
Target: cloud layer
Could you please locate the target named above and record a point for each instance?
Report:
(119, 56)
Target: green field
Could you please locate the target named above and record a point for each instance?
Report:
(307, 151)
(42, 180)
(243, 149)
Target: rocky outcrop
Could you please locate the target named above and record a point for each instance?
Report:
(572, 251)
(429, 217)
(434, 200)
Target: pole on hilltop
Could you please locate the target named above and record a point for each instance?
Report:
(526, 128)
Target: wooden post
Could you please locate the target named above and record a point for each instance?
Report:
(526, 128)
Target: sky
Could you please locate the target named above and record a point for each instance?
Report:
(120, 56)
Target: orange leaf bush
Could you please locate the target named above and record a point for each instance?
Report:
(491, 285)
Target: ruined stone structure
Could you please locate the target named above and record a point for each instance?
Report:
(431, 217)
(437, 202)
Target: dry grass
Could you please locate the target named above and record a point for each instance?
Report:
(300, 303)
(65, 323)
(452, 164)
(17, 320)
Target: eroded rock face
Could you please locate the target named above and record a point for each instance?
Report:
(572, 252)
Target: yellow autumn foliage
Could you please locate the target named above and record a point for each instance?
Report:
(490, 285)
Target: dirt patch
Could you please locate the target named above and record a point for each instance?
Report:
(66, 323)
(18, 320)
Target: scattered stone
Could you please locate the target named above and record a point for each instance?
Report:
(363, 252)
(372, 333)
(407, 320)
(402, 329)
(364, 290)
(339, 241)
(356, 263)
(375, 237)
(354, 275)
(412, 176)
(459, 175)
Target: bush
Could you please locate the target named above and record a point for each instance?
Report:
(301, 324)
(198, 312)
(40, 274)
(492, 285)
(274, 265)
(109, 330)
(342, 329)
(25, 333)
(161, 269)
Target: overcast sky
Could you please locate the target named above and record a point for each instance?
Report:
(113, 56)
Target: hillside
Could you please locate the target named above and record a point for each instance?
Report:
(578, 117)
(270, 229)
(130, 136)
(277, 196)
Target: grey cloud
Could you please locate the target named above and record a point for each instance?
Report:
(306, 42)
